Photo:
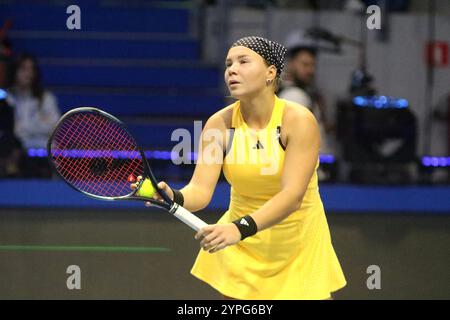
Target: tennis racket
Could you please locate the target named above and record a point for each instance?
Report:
(97, 156)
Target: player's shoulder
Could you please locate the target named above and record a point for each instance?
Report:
(293, 110)
(296, 115)
(222, 118)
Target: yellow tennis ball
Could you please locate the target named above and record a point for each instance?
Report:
(146, 190)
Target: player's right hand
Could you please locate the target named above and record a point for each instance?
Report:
(161, 185)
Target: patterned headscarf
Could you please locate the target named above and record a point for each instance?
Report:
(274, 53)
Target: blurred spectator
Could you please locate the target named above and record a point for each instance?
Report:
(11, 155)
(299, 82)
(35, 110)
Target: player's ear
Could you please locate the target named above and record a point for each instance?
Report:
(271, 73)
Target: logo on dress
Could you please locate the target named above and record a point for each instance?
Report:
(258, 145)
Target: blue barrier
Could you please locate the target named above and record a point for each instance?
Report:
(386, 199)
(336, 198)
(57, 194)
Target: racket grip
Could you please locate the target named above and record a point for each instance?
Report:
(188, 218)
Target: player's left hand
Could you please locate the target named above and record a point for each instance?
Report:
(216, 237)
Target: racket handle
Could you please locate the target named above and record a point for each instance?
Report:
(187, 217)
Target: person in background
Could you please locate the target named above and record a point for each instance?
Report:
(35, 109)
(11, 153)
(299, 84)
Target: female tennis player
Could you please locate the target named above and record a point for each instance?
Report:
(274, 241)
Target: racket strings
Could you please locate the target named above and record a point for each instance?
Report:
(93, 142)
(70, 129)
(96, 155)
(76, 127)
(85, 162)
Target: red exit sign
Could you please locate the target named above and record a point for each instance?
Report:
(436, 53)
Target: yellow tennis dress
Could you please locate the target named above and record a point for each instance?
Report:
(294, 259)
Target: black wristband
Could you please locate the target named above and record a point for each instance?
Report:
(178, 197)
(247, 226)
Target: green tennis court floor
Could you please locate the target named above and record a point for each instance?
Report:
(148, 255)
